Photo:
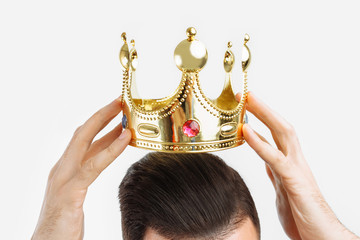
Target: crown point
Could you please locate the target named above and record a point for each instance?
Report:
(191, 32)
(229, 44)
(123, 37)
(229, 59)
(190, 54)
(246, 38)
(124, 52)
(246, 58)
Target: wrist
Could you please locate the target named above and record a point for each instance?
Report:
(60, 223)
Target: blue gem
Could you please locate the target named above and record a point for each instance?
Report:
(246, 119)
(124, 122)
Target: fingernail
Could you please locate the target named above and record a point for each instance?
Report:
(124, 134)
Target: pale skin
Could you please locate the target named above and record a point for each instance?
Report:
(302, 210)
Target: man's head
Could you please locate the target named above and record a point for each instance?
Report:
(186, 196)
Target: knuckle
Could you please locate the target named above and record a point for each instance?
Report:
(281, 159)
(88, 169)
(77, 130)
(89, 166)
(289, 130)
(261, 152)
(79, 138)
(111, 151)
(98, 116)
(82, 175)
(52, 172)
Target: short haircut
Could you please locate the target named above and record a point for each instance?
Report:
(184, 196)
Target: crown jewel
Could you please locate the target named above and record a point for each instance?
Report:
(186, 120)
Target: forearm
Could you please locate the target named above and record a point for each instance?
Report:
(60, 224)
(317, 220)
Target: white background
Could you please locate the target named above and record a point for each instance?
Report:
(59, 64)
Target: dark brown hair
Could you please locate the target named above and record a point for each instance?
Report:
(184, 196)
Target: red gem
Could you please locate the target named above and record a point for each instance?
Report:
(191, 128)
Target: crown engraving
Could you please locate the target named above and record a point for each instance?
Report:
(186, 120)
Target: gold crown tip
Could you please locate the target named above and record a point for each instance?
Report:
(229, 44)
(123, 37)
(191, 32)
(247, 38)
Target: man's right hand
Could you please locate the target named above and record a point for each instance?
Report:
(303, 211)
(62, 215)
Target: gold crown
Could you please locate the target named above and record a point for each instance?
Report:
(185, 121)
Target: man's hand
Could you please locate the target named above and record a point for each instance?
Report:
(303, 211)
(62, 214)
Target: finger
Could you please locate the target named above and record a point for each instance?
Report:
(94, 166)
(283, 133)
(270, 155)
(265, 114)
(103, 142)
(268, 169)
(263, 149)
(261, 137)
(97, 122)
(276, 141)
(238, 97)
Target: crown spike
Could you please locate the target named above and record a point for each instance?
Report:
(133, 56)
(123, 37)
(191, 32)
(246, 58)
(227, 98)
(133, 63)
(229, 59)
(246, 38)
(190, 55)
(132, 42)
(124, 52)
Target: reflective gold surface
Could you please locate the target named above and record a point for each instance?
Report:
(246, 59)
(227, 100)
(133, 56)
(190, 55)
(229, 59)
(157, 124)
(124, 53)
(190, 33)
